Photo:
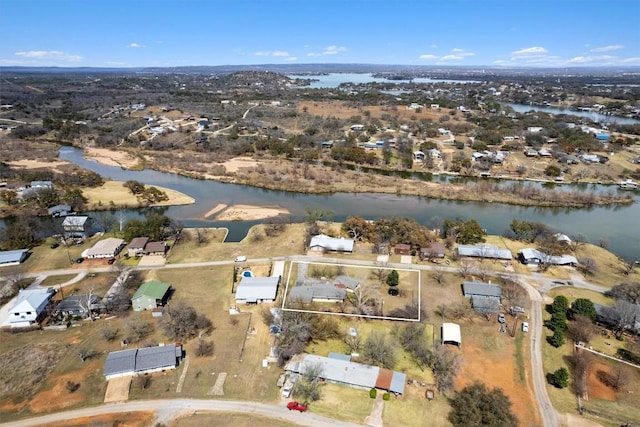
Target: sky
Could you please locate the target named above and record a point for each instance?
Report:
(161, 33)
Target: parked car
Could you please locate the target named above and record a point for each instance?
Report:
(297, 406)
(501, 318)
(79, 260)
(287, 389)
(240, 258)
(525, 326)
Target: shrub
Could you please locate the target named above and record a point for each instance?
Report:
(557, 339)
(559, 378)
(373, 393)
(385, 396)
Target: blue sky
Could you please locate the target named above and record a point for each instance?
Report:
(135, 33)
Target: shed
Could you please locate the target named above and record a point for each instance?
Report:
(451, 334)
(15, 257)
(483, 250)
(150, 295)
(257, 289)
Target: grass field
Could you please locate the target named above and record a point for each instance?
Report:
(114, 193)
(343, 403)
(224, 419)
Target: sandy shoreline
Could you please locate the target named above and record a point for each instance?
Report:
(111, 158)
(224, 212)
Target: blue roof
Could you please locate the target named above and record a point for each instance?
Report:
(8, 257)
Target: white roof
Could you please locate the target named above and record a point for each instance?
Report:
(331, 243)
(32, 300)
(253, 289)
(104, 247)
(343, 371)
(483, 250)
(75, 220)
(451, 333)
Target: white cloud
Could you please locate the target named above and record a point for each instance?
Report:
(608, 48)
(428, 56)
(135, 45)
(280, 53)
(50, 55)
(456, 50)
(292, 58)
(455, 55)
(274, 53)
(333, 50)
(314, 54)
(536, 50)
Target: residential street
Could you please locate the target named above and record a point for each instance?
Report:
(167, 410)
(546, 409)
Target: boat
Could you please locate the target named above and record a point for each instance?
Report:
(629, 185)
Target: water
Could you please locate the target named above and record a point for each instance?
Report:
(591, 115)
(619, 225)
(333, 80)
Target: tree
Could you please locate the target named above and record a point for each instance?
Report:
(202, 235)
(86, 353)
(181, 321)
(358, 228)
(626, 291)
(581, 329)
(393, 279)
(560, 305)
(476, 405)
(139, 330)
(467, 232)
(625, 317)
(583, 307)
(559, 378)
(75, 198)
(361, 300)
(445, 365)
(552, 171)
(557, 339)
(109, 333)
(18, 235)
(204, 348)
(378, 350)
(588, 266)
(308, 388)
(134, 186)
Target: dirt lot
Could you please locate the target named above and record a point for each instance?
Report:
(117, 390)
(490, 357)
(129, 419)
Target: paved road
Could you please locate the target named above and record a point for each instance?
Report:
(167, 410)
(547, 411)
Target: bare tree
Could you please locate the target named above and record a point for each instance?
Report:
(86, 302)
(139, 330)
(354, 342)
(445, 365)
(378, 350)
(626, 317)
(581, 329)
(380, 273)
(467, 267)
(202, 235)
(580, 364)
(438, 274)
(361, 299)
(442, 311)
(588, 266)
(204, 348)
(514, 293)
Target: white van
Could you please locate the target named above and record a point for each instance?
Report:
(240, 258)
(525, 326)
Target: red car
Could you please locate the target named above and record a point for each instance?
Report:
(297, 406)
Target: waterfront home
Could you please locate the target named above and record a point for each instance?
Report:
(30, 307)
(628, 185)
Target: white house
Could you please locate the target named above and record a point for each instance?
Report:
(30, 307)
(107, 248)
(14, 257)
(257, 289)
(322, 243)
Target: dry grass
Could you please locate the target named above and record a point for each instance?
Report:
(413, 410)
(343, 403)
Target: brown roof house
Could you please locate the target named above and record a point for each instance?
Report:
(402, 249)
(136, 247)
(155, 248)
(434, 250)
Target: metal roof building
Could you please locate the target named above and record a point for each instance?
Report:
(332, 244)
(257, 289)
(451, 334)
(534, 256)
(14, 257)
(471, 289)
(138, 361)
(483, 250)
(107, 248)
(354, 374)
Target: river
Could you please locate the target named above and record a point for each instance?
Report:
(333, 80)
(591, 115)
(619, 225)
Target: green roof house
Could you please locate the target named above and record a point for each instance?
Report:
(150, 295)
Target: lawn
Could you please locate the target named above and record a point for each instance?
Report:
(413, 410)
(225, 419)
(113, 193)
(343, 403)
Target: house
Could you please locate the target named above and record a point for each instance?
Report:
(434, 250)
(322, 243)
(150, 295)
(534, 129)
(479, 289)
(485, 305)
(337, 370)
(531, 153)
(530, 256)
(357, 128)
(155, 248)
(138, 361)
(15, 257)
(106, 248)
(610, 316)
(60, 210)
(79, 305)
(402, 249)
(257, 289)
(483, 250)
(30, 307)
(136, 247)
(451, 334)
(76, 227)
(418, 156)
(317, 291)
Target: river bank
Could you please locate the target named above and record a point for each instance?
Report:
(276, 174)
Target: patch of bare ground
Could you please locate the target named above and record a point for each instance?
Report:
(112, 158)
(596, 388)
(23, 370)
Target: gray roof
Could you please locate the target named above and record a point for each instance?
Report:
(253, 289)
(484, 304)
(343, 371)
(77, 303)
(479, 288)
(8, 257)
(349, 282)
(397, 382)
(59, 208)
(483, 250)
(75, 220)
(534, 254)
(138, 242)
(139, 360)
(307, 292)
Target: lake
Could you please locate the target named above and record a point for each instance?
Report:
(619, 225)
(591, 115)
(333, 80)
